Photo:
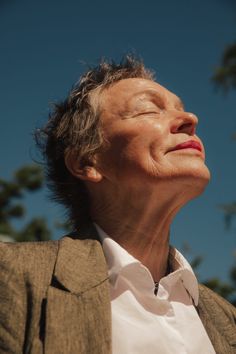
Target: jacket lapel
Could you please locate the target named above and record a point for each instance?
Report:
(77, 299)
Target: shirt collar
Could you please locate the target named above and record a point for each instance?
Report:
(118, 259)
(181, 266)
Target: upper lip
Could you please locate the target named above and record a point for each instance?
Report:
(190, 144)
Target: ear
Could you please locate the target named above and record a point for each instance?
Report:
(87, 173)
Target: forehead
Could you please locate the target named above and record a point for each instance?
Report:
(127, 91)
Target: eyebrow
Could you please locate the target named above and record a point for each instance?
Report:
(157, 96)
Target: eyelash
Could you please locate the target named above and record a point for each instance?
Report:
(149, 112)
(157, 112)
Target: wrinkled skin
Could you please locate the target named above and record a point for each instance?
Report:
(143, 121)
(139, 181)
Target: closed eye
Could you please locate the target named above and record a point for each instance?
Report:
(146, 113)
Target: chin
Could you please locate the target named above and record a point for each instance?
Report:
(196, 170)
(191, 180)
(196, 182)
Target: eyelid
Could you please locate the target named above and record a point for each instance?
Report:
(160, 104)
(144, 113)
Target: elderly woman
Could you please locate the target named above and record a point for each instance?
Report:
(123, 157)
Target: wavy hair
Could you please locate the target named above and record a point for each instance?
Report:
(74, 124)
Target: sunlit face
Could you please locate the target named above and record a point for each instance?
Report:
(144, 124)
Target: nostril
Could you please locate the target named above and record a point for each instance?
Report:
(184, 122)
(187, 128)
(184, 126)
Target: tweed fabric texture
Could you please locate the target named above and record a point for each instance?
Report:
(219, 319)
(54, 298)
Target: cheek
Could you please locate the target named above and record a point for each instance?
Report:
(149, 136)
(135, 148)
(115, 156)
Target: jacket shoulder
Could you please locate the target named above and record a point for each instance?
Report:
(30, 259)
(219, 319)
(25, 274)
(212, 300)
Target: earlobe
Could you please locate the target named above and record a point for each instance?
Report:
(86, 173)
(91, 174)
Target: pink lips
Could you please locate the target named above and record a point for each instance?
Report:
(191, 144)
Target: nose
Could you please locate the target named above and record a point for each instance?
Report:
(184, 122)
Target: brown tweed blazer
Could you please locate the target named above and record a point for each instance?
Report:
(54, 299)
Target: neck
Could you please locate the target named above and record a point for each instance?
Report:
(142, 231)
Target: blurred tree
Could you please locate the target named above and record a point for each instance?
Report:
(225, 75)
(26, 179)
(224, 79)
(226, 289)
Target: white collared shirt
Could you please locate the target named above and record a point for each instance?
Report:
(143, 323)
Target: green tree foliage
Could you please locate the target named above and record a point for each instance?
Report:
(224, 79)
(226, 289)
(26, 179)
(225, 75)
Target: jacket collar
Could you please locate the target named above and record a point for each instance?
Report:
(80, 263)
(78, 310)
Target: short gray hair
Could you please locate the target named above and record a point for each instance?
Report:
(74, 124)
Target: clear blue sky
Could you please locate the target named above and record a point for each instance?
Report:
(43, 44)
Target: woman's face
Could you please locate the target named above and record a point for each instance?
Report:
(144, 125)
